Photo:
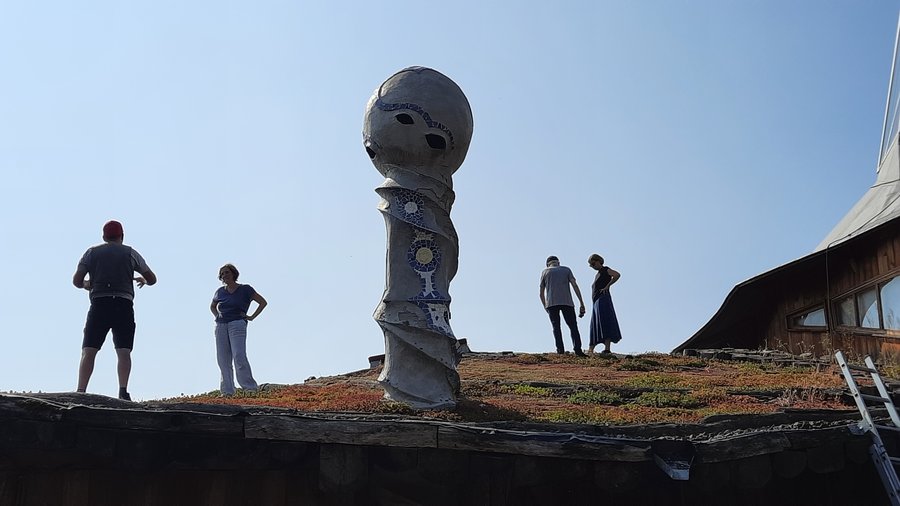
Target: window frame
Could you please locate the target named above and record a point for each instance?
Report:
(881, 286)
(805, 311)
(877, 285)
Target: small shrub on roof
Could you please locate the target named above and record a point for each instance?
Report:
(750, 367)
(528, 359)
(395, 408)
(568, 416)
(639, 364)
(661, 399)
(595, 397)
(651, 380)
(528, 390)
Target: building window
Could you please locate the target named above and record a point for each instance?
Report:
(873, 307)
(810, 318)
(890, 304)
(846, 312)
(867, 308)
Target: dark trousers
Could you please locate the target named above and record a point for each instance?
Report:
(568, 313)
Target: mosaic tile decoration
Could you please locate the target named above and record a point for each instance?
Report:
(410, 205)
(381, 105)
(424, 257)
(438, 316)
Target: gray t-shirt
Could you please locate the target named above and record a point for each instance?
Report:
(111, 267)
(555, 280)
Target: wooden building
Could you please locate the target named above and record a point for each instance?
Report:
(845, 294)
(81, 449)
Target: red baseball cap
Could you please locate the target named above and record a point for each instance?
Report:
(112, 229)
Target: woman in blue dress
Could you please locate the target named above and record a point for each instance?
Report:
(604, 324)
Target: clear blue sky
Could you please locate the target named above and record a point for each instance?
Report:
(693, 144)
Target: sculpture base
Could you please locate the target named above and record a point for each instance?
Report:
(419, 367)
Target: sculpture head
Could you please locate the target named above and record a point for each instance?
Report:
(418, 119)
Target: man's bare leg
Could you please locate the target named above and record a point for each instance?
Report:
(124, 366)
(124, 369)
(86, 367)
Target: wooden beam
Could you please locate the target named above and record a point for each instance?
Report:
(357, 432)
(453, 438)
(789, 464)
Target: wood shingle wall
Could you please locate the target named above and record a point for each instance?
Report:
(824, 280)
(58, 453)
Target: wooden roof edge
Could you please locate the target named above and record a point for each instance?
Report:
(618, 444)
(700, 339)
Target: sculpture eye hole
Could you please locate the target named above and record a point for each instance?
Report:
(370, 152)
(436, 141)
(406, 119)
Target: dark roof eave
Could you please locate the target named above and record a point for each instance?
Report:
(697, 339)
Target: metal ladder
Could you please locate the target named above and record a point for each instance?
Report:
(884, 463)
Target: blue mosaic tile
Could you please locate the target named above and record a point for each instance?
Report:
(410, 206)
(424, 255)
(438, 315)
(383, 106)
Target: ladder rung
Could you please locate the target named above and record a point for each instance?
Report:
(895, 460)
(875, 398)
(888, 427)
(861, 369)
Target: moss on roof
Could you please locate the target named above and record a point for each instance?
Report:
(550, 388)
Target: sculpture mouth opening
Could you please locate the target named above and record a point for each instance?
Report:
(370, 152)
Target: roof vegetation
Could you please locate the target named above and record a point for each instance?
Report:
(550, 388)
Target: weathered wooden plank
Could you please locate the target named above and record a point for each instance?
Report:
(272, 489)
(753, 472)
(457, 438)
(490, 477)
(616, 476)
(710, 477)
(25, 408)
(215, 488)
(857, 450)
(9, 486)
(40, 488)
(826, 458)
(35, 434)
(168, 421)
(894, 244)
(742, 446)
(343, 473)
(398, 477)
(360, 432)
(803, 439)
(789, 464)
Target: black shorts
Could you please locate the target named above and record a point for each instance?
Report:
(109, 313)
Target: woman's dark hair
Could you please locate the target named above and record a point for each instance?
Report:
(593, 258)
(232, 268)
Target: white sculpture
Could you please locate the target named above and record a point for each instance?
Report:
(416, 130)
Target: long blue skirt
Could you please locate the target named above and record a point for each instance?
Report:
(604, 324)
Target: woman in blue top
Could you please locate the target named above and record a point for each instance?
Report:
(229, 305)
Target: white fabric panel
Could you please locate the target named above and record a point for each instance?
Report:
(879, 205)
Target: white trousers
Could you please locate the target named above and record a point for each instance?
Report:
(231, 346)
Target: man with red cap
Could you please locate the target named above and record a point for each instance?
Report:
(110, 269)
